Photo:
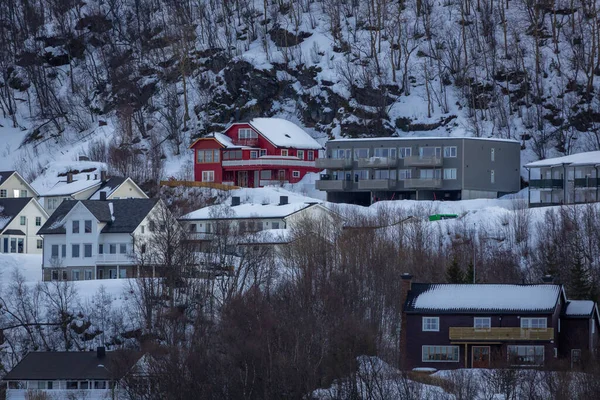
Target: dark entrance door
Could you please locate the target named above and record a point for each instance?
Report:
(481, 357)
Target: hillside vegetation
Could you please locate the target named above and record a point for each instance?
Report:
(156, 73)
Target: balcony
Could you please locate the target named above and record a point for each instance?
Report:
(501, 334)
(333, 185)
(377, 162)
(376, 184)
(417, 161)
(587, 182)
(422, 183)
(546, 183)
(114, 259)
(334, 163)
(260, 162)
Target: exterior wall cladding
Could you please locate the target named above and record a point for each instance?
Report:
(437, 169)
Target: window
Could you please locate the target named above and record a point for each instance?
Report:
(274, 225)
(341, 154)
(449, 173)
(361, 153)
(492, 176)
(3, 193)
(208, 156)
(284, 152)
(123, 273)
(100, 249)
(440, 353)
(208, 176)
(431, 324)
(493, 154)
(482, 323)
(54, 275)
(385, 174)
(75, 275)
(143, 249)
(15, 193)
(254, 154)
(295, 174)
(23, 220)
(38, 221)
(63, 251)
(232, 155)
(575, 356)
(87, 226)
(430, 173)
(87, 275)
(123, 248)
(142, 228)
(75, 250)
(54, 251)
(300, 154)
(75, 227)
(385, 153)
(404, 174)
(405, 152)
(112, 248)
(23, 193)
(525, 355)
(450, 151)
(246, 133)
(40, 244)
(534, 323)
(192, 228)
(430, 152)
(263, 152)
(265, 174)
(311, 155)
(112, 274)
(87, 250)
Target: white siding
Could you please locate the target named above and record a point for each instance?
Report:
(16, 183)
(30, 212)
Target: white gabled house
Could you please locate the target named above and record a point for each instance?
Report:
(91, 189)
(20, 219)
(12, 184)
(96, 239)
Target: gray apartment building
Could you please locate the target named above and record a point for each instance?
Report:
(570, 179)
(362, 171)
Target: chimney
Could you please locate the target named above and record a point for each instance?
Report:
(405, 287)
(235, 201)
(69, 177)
(102, 195)
(103, 175)
(548, 279)
(283, 200)
(100, 352)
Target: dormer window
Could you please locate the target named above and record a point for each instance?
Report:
(246, 133)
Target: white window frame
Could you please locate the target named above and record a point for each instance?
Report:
(74, 224)
(23, 193)
(3, 193)
(454, 351)
(311, 155)
(91, 247)
(85, 274)
(263, 152)
(300, 154)
(526, 349)
(253, 154)
(450, 174)
(526, 323)
(295, 174)
(78, 247)
(450, 151)
(208, 176)
(247, 133)
(404, 152)
(430, 324)
(284, 152)
(40, 244)
(23, 220)
(38, 221)
(482, 323)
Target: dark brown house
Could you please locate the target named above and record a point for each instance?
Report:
(447, 326)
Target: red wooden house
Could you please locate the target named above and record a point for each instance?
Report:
(264, 151)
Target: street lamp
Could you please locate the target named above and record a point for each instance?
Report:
(112, 387)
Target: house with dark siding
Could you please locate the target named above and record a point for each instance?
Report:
(447, 326)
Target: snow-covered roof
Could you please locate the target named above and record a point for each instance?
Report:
(488, 298)
(245, 211)
(587, 158)
(420, 138)
(227, 142)
(579, 308)
(66, 189)
(283, 133)
(268, 236)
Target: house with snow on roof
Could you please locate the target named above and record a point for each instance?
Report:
(98, 239)
(447, 326)
(262, 152)
(12, 184)
(20, 220)
(252, 223)
(570, 179)
(93, 188)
